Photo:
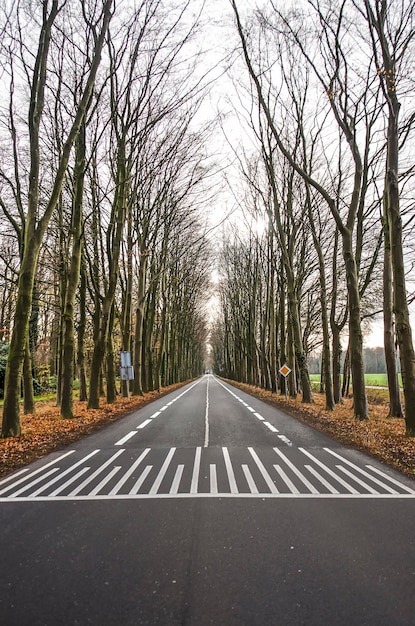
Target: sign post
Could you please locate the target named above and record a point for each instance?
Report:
(126, 370)
(284, 371)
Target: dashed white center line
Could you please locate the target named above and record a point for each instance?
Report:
(122, 441)
(271, 427)
(144, 424)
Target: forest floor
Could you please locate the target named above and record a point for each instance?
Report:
(380, 436)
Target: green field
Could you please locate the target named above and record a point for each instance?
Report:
(372, 380)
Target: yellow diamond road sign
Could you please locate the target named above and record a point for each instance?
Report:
(285, 370)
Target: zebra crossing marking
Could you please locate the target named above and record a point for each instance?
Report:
(240, 472)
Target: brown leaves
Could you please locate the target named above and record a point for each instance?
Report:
(380, 436)
(46, 431)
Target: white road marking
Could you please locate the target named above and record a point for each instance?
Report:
(362, 471)
(71, 480)
(257, 415)
(265, 475)
(40, 469)
(271, 427)
(5, 480)
(162, 472)
(357, 480)
(329, 471)
(262, 496)
(137, 485)
(105, 480)
(392, 480)
(229, 470)
(320, 478)
(286, 479)
(131, 471)
(65, 473)
(296, 471)
(34, 482)
(176, 480)
(144, 424)
(156, 414)
(249, 479)
(292, 473)
(196, 470)
(213, 479)
(96, 473)
(285, 440)
(206, 443)
(122, 441)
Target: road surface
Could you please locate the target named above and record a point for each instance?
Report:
(207, 506)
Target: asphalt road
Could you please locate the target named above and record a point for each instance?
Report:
(207, 507)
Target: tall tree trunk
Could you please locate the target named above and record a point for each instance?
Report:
(28, 392)
(355, 330)
(395, 407)
(83, 395)
(110, 360)
(139, 327)
(68, 359)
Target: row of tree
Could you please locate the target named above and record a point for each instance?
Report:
(329, 104)
(103, 246)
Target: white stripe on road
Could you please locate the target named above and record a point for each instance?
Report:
(40, 469)
(131, 471)
(229, 470)
(105, 480)
(249, 479)
(320, 478)
(206, 443)
(34, 482)
(362, 471)
(196, 470)
(271, 427)
(213, 479)
(137, 485)
(70, 481)
(261, 467)
(176, 480)
(287, 480)
(329, 471)
(122, 441)
(144, 424)
(95, 474)
(392, 480)
(162, 472)
(67, 471)
(296, 471)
